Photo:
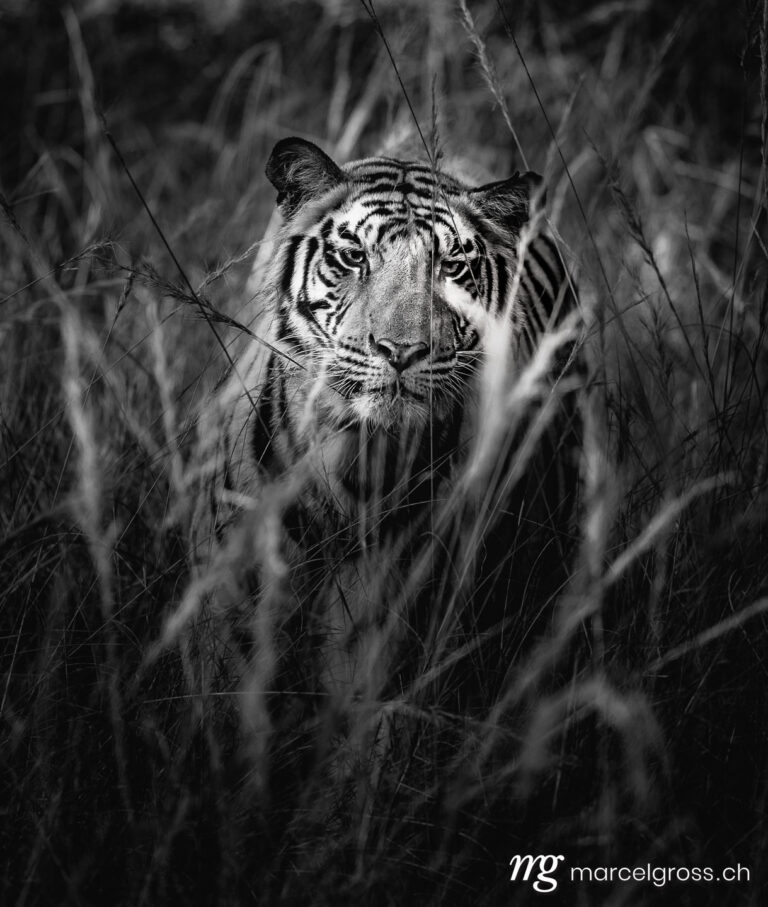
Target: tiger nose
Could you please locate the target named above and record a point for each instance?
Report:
(399, 355)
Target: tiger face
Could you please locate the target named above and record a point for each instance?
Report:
(388, 278)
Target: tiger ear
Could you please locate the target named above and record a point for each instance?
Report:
(300, 171)
(512, 201)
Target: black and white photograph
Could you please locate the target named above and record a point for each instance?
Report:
(383, 453)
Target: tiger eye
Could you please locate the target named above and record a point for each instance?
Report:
(352, 256)
(452, 267)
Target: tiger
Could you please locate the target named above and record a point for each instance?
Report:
(333, 445)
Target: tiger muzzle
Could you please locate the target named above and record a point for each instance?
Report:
(398, 354)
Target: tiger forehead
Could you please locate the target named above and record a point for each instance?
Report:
(389, 200)
(405, 189)
(400, 177)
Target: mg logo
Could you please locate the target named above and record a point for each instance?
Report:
(523, 866)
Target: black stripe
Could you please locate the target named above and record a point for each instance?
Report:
(374, 176)
(324, 281)
(426, 220)
(385, 188)
(488, 281)
(331, 261)
(503, 278)
(555, 279)
(395, 225)
(378, 211)
(289, 263)
(541, 291)
(342, 310)
(313, 244)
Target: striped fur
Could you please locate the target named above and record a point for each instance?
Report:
(386, 277)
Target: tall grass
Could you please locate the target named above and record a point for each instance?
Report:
(168, 739)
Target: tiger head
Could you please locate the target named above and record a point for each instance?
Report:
(388, 275)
